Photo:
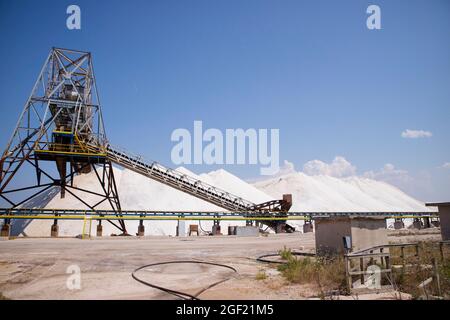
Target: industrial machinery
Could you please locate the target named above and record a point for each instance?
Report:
(62, 123)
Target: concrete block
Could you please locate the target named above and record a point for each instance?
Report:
(232, 230)
(399, 224)
(444, 218)
(247, 231)
(54, 231)
(426, 223)
(99, 230)
(308, 227)
(436, 223)
(216, 230)
(417, 224)
(279, 228)
(6, 230)
(181, 228)
(141, 231)
(364, 232)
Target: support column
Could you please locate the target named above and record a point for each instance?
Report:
(6, 229)
(232, 230)
(141, 229)
(279, 227)
(99, 229)
(216, 228)
(426, 223)
(436, 223)
(444, 218)
(308, 227)
(181, 228)
(398, 224)
(417, 224)
(54, 231)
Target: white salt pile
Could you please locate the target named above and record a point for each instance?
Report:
(310, 193)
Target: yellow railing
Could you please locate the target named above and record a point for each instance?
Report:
(77, 148)
(84, 233)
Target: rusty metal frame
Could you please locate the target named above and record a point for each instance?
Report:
(45, 109)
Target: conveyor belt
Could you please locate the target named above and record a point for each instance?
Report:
(178, 180)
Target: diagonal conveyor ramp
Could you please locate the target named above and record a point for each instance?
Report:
(194, 187)
(178, 180)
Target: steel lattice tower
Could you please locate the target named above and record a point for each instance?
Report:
(61, 123)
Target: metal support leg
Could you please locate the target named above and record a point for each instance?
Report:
(141, 229)
(54, 231)
(99, 229)
(398, 224)
(6, 229)
(426, 223)
(308, 227)
(216, 228)
(417, 224)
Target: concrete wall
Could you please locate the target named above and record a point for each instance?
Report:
(247, 231)
(368, 232)
(365, 232)
(329, 234)
(444, 218)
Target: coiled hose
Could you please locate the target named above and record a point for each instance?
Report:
(180, 294)
(263, 257)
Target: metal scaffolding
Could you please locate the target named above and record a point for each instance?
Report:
(61, 115)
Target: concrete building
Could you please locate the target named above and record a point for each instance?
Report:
(444, 218)
(363, 232)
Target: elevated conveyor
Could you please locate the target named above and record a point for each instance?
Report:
(178, 180)
(195, 187)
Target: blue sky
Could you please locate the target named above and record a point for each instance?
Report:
(310, 68)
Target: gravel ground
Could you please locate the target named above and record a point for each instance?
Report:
(37, 268)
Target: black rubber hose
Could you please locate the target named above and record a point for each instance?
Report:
(179, 294)
(262, 258)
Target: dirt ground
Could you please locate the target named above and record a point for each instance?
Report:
(39, 268)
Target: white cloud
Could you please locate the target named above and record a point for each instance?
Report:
(390, 174)
(414, 134)
(339, 168)
(446, 165)
(287, 168)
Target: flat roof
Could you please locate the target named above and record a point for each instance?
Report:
(438, 204)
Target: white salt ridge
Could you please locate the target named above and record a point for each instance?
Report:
(392, 197)
(138, 192)
(352, 194)
(224, 180)
(325, 193)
